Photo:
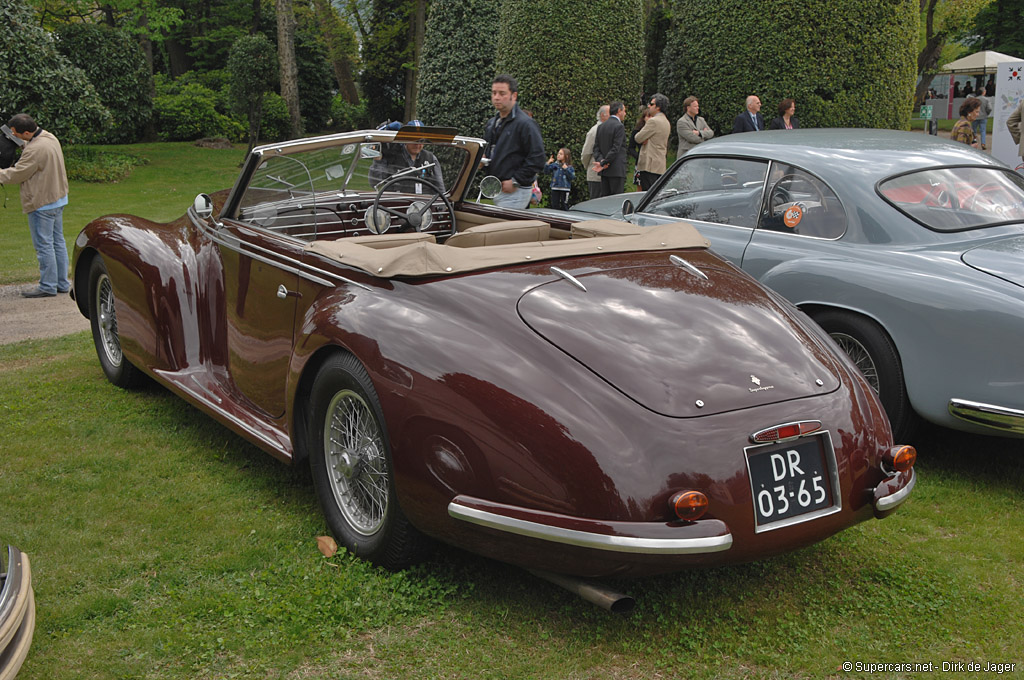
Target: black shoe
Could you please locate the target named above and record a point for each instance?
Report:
(36, 293)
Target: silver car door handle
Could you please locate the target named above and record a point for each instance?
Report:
(283, 292)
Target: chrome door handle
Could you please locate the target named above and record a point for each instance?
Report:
(283, 292)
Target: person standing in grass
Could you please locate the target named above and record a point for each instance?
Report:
(44, 193)
(561, 181)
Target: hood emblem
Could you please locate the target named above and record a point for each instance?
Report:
(760, 388)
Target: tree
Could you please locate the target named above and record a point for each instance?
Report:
(342, 48)
(571, 56)
(117, 68)
(998, 27)
(254, 70)
(847, 63)
(455, 84)
(289, 67)
(387, 56)
(941, 21)
(38, 80)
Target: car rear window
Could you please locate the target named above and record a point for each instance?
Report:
(954, 199)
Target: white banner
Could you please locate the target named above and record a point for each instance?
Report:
(1009, 93)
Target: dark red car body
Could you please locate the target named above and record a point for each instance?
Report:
(525, 418)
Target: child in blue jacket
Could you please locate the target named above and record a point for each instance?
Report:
(561, 182)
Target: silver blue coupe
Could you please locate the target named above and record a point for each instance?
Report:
(907, 249)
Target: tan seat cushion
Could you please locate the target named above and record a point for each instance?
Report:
(501, 233)
(379, 241)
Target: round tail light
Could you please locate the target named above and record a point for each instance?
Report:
(900, 458)
(689, 505)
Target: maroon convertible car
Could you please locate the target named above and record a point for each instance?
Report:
(587, 399)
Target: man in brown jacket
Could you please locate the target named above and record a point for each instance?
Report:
(653, 141)
(44, 193)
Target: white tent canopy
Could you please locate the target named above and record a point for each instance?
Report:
(979, 62)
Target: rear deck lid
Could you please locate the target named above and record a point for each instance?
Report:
(1003, 258)
(681, 345)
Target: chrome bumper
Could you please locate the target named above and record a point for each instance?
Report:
(17, 611)
(647, 538)
(894, 490)
(1008, 420)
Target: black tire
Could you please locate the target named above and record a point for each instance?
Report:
(873, 352)
(103, 319)
(350, 462)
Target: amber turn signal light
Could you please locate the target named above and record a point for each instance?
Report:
(900, 458)
(689, 505)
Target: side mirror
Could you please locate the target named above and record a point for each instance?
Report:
(490, 187)
(203, 206)
(628, 208)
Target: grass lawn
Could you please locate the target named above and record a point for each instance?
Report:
(163, 546)
(161, 190)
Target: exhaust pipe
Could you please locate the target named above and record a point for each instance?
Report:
(596, 593)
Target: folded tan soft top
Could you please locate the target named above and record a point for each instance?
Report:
(426, 258)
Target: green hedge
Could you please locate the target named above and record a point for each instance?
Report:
(37, 79)
(184, 112)
(457, 65)
(847, 63)
(571, 56)
(117, 68)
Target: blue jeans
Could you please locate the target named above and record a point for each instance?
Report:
(47, 227)
(520, 198)
(980, 127)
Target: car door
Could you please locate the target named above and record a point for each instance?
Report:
(800, 216)
(721, 195)
(259, 250)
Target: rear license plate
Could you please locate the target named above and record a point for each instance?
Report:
(792, 481)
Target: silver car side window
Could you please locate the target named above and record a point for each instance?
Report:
(799, 203)
(711, 189)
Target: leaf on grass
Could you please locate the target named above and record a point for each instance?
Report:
(326, 545)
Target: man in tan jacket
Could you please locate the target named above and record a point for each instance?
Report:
(653, 141)
(44, 193)
(1013, 124)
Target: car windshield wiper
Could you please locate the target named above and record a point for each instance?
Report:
(282, 181)
(413, 169)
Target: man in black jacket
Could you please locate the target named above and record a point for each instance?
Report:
(610, 151)
(750, 120)
(514, 145)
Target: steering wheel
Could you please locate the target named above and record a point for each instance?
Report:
(781, 195)
(987, 186)
(941, 196)
(418, 219)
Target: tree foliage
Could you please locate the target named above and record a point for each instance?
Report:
(847, 63)
(38, 80)
(117, 68)
(571, 56)
(387, 55)
(941, 21)
(455, 84)
(998, 27)
(253, 68)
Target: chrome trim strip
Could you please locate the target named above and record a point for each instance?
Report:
(676, 260)
(569, 277)
(989, 415)
(584, 539)
(753, 437)
(891, 501)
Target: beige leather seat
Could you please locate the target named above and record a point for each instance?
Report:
(501, 233)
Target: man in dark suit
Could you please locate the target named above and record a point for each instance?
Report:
(750, 120)
(610, 151)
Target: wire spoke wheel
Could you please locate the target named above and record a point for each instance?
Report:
(860, 357)
(357, 462)
(109, 339)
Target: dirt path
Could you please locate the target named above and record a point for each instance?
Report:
(30, 318)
